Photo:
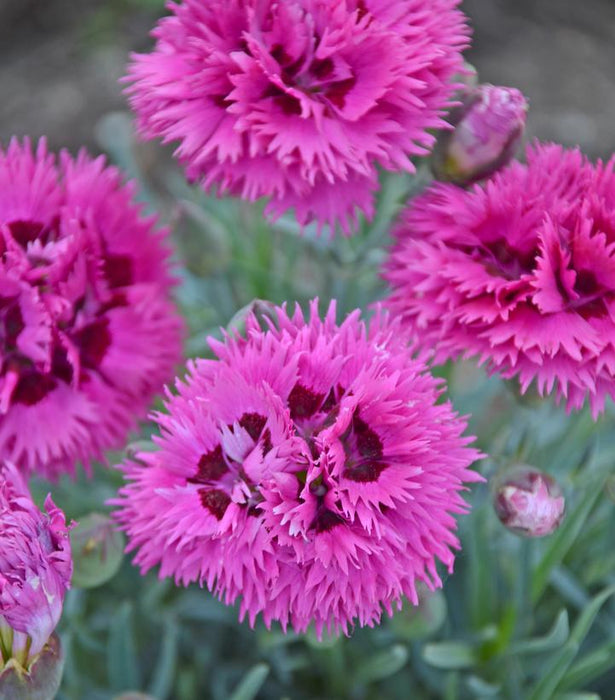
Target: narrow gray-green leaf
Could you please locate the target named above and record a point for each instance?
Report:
(122, 662)
(251, 683)
(449, 655)
(554, 638)
(382, 665)
(556, 669)
(482, 592)
(480, 688)
(562, 541)
(590, 666)
(161, 684)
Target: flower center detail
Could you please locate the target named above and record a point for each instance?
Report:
(48, 264)
(219, 473)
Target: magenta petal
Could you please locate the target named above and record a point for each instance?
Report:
(518, 273)
(35, 564)
(274, 99)
(88, 331)
(310, 473)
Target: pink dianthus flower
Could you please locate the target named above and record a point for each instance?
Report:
(519, 273)
(88, 333)
(308, 471)
(35, 569)
(299, 100)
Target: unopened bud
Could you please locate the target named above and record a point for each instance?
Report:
(488, 126)
(35, 572)
(98, 550)
(423, 620)
(40, 681)
(258, 309)
(528, 501)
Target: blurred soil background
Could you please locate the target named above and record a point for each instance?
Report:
(60, 62)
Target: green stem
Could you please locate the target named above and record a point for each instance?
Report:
(335, 663)
(522, 589)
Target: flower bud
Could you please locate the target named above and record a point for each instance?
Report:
(528, 501)
(98, 550)
(488, 126)
(42, 679)
(35, 572)
(260, 309)
(423, 620)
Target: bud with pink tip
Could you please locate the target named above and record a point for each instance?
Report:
(35, 572)
(488, 126)
(528, 502)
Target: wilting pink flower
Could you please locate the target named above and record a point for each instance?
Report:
(35, 568)
(488, 126)
(298, 101)
(308, 471)
(519, 273)
(528, 501)
(88, 333)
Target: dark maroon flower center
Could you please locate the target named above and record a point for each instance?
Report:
(507, 261)
(215, 501)
(218, 472)
(321, 79)
(253, 424)
(118, 270)
(364, 452)
(328, 80)
(24, 232)
(592, 296)
(212, 467)
(361, 8)
(33, 387)
(325, 519)
(92, 339)
(303, 402)
(12, 322)
(312, 413)
(502, 259)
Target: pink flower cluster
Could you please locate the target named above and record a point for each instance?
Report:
(519, 273)
(35, 568)
(88, 333)
(309, 470)
(299, 101)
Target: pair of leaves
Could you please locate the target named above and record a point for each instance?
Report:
(558, 671)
